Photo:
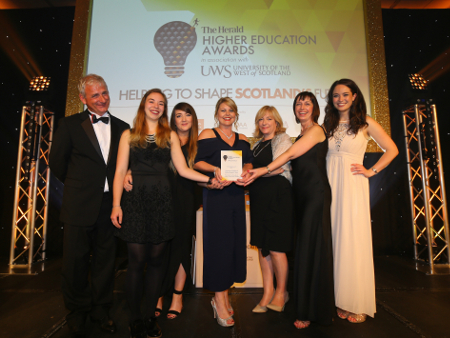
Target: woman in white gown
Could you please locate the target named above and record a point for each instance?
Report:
(349, 129)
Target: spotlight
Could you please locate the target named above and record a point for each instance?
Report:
(417, 89)
(39, 90)
(418, 82)
(39, 83)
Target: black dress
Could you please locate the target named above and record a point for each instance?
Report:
(148, 207)
(180, 246)
(271, 207)
(313, 271)
(224, 230)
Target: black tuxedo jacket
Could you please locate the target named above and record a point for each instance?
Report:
(76, 160)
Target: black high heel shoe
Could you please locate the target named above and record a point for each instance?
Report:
(173, 312)
(158, 310)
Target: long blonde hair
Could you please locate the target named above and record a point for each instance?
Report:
(193, 133)
(139, 132)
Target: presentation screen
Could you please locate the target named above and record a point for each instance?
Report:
(258, 52)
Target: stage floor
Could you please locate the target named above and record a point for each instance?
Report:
(409, 304)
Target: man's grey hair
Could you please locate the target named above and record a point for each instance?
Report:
(89, 80)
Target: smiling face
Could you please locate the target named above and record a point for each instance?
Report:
(96, 98)
(343, 98)
(154, 106)
(226, 115)
(304, 109)
(183, 120)
(267, 125)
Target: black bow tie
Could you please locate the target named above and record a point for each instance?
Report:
(104, 119)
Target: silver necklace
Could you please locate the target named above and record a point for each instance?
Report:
(259, 152)
(228, 137)
(304, 130)
(150, 138)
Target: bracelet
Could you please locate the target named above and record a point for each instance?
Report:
(209, 181)
(268, 170)
(215, 171)
(375, 171)
(117, 206)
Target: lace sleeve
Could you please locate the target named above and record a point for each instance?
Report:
(280, 143)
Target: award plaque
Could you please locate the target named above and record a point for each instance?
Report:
(231, 164)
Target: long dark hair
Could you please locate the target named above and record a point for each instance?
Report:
(316, 110)
(357, 113)
(193, 133)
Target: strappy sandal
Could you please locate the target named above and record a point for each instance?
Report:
(158, 311)
(302, 324)
(357, 318)
(173, 312)
(342, 313)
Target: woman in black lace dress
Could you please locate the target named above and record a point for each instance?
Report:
(146, 220)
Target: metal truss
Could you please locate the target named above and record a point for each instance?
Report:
(427, 189)
(29, 226)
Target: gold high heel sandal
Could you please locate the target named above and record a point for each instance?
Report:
(357, 318)
(220, 321)
(278, 308)
(262, 309)
(342, 313)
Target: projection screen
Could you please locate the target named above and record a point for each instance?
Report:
(258, 52)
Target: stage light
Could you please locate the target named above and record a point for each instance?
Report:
(418, 82)
(39, 90)
(39, 83)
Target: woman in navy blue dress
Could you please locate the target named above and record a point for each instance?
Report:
(224, 231)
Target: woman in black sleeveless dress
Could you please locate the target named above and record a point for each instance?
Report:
(184, 121)
(313, 271)
(146, 223)
(271, 211)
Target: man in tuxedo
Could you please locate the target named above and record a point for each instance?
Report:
(83, 157)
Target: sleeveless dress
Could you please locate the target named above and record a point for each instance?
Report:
(313, 270)
(148, 207)
(224, 230)
(354, 281)
(271, 208)
(180, 246)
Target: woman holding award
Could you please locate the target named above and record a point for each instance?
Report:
(313, 269)
(271, 209)
(224, 230)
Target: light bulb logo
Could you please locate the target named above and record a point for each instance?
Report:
(174, 41)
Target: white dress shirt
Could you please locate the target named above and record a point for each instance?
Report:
(103, 133)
